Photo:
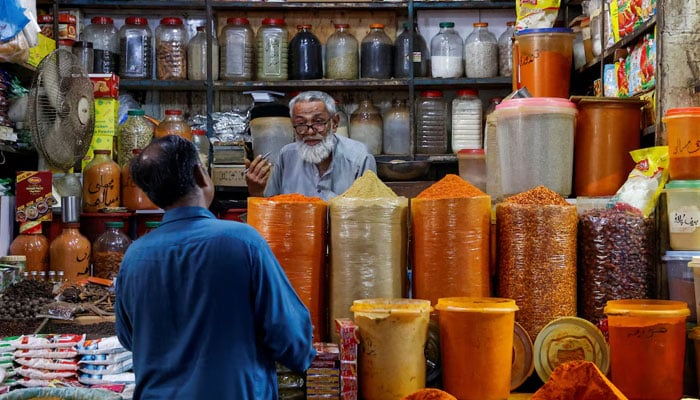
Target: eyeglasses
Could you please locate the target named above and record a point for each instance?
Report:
(317, 127)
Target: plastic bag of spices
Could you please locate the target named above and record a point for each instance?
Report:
(451, 223)
(644, 184)
(368, 245)
(537, 256)
(294, 226)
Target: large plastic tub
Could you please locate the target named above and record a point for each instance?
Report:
(542, 61)
(683, 208)
(681, 280)
(683, 128)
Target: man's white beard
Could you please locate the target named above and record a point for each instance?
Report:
(317, 153)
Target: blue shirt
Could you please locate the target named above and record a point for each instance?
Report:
(294, 175)
(207, 310)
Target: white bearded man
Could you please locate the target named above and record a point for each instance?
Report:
(319, 163)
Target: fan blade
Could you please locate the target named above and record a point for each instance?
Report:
(50, 80)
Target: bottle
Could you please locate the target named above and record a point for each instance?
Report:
(69, 253)
(272, 50)
(305, 56)
(446, 52)
(505, 50)
(101, 182)
(481, 50)
(467, 117)
(343, 127)
(42, 276)
(34, 275)
(133, 196)
(397, 129)
(404, 54)
(136, 46)
(105, 42)
(135, 133)
(173, 124)
(431, 123)
(32, 244)
(201, 141)
(108, 250)
(237, 43)
(197, 57)
(342, 54)
(52, 277)
(171, 49)
(376, 54)
(366, 126)
(151, 226)
(86, 56)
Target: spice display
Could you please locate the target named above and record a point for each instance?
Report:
(466, 121)
(446, 52)
(450, 224)
(70, 253)
(578, 380)
(105, 42)
(101, 182)
(294, 226)
(136, 46)
(617, 259)
(24, 299)
(368, 243)
(505, 50)
(396, 131)
(481, 52)
(236, 42)
(197, 57)
(135, 133)
(366, 126)
(376, 54)
(32, 244)
(171, 49)
(305, 55)
(342, 54)
(431, 123)
(537, 256)
(272, 50)
(108, 250)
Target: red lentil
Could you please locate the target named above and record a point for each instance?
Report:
(449, 187)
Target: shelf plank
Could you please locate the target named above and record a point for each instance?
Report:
(156, 84)
(450, 5)
(497, 82)
(279, 5)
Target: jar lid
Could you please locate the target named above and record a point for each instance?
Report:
(523, 359)
(376, 26)
(307, 26)
(682, 112)
(391, 305)
(476, 304)
(510, 23)
(480, 24)
(173, 112)
(544, 30)
(66, 42)
(447, 24)
(344, 26)
(136, 21)
(537, 102)
(44, 18)
(30, 227)
(683, 184)
(67, 18)
(199, 132)
(680, 255)
(102, 20)
(467, 92)
(569, 339)
(472, 151)
(152, 224)
(647, 307)
(71, 224)
(114, 224)
(171, 21)
(273, 21)
(135, 112)
(237, 21)
(431, 93)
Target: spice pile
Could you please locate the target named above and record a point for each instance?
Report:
(24, 299)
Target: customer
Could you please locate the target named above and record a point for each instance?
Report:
(319, 163)
(202, 303)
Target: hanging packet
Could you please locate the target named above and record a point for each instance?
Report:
(644, 184)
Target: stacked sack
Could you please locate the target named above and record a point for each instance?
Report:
(105, 363)
(46, 359)
(7, 368)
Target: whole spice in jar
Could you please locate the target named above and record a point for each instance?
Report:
(171, 49)
(108, 250)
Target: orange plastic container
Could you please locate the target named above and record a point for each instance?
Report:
(542, 61)
(683, 128)
(647, 347)
(476, 346)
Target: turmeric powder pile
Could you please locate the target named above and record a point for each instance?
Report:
(429, 394)
(294, 198)
(450, 187)
(578, 380)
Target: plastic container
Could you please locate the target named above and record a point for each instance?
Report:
(393, 334)
(136, 46)
(431, 123)
(446, 52)
(171, 49)
(647, 347)
(536, 144)
(476, 346)
(237, 44)
(173, 124)
(681, 279)
(683, 208)
(108, 251)
(305, 55)
(694, 335)
(105, 42)
(197, 57)
(101, 182)
(342, 54)
(607, 129)
(467, 117)
(397, 129)
(683, 128)
(376, 54)
(135, 133)
(472, 167)
(271, 129)
(272, 50)
(481, 50)
(542, 61)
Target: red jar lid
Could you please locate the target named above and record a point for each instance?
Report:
(66, 42)
(99, 151)
(273, 21)
(198, 132)
(102, 20)
(171, 21)
(480, 24)
(173, 112)
(67, 18)
(475, 152)
(136, 21)
(345, 26)
(691, 111)
(45, 19)
(467, 92)
(431, 93)
(237, 21)
(376, 26)
(306, 26)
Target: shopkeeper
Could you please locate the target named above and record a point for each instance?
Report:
(319, 163)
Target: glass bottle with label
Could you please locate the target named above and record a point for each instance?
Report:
(108, 250)
(173, 124)
(404, 54)
(101, 182)
(305, 56)
(431, 123)
(32, 244)
(236, 44)
(272, 50)
(197, 57)
(397, 129)
(446, 52)
(376, 54)
(342, 54)
(133, 196)
(135, 133)
(366, 126)
(467, 117)
(201, 142)
(481, 48)
(136, 45)
(171, 49)
(105, 43)
(70, 253)
(505, 50)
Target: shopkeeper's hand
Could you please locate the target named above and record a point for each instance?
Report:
(258, 172)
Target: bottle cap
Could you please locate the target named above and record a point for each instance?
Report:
(171, 21)
(70, 208)
(376, 26)
(136, 112)
(114, 224)
(136, 21)
(102, 20)
(173, 112)
(273, 21)
(238, 21)
(480, 24)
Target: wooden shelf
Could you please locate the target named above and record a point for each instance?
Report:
(468, 5)
(497, 82)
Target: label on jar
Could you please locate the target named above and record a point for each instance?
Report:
(417, 56)
(135, 49)
(235, 54)
(105, 62)
(272, 56)
(684, 219)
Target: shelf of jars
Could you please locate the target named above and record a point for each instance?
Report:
(480, 5)
(120, 4)
(328, 84)
(158, 84)
(279, 5)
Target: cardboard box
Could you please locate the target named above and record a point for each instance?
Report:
(99, 142)
(105, 85)
(228, 175)
(44, 46)
(106, 116)
(34, 196)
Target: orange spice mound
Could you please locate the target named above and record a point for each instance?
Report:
(295, 198)
(449, 187)
(540, 195)
(429, 394)
(578, 380)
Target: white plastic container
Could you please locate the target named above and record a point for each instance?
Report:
(536, 144)
(683, 207)
(682, 285)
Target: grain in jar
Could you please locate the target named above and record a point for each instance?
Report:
(366, 126)
(197, 57)
(305, 55)
(376, 54)
(431, 123)
(272, 50)
(505, 50)
(481, 52)
(171, 49)
(466, 120)
(446, 52)
(136, 46)
(135, 133)
(342, 54)
(236, 43)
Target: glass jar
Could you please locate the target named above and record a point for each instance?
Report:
(32, 244)
(236, 44)
(135, 133)
(105, 42)
(171, 49)
(101, 182)
(69, 253)
(446, 52)
(305, 56)
(272, 50)
(108, 250)
(86, 56)
(342, 54)
(431, 123)
(376, 54)
(201, 142)
(404, 54)
(197, 57)
(173, 124)
(505, 50)
(343, 124)
(467, 120)
(481, 48)
(397, 129)
(66, 44)
(136, 45)
(366, 126)
(151, 226)
(133, 196)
